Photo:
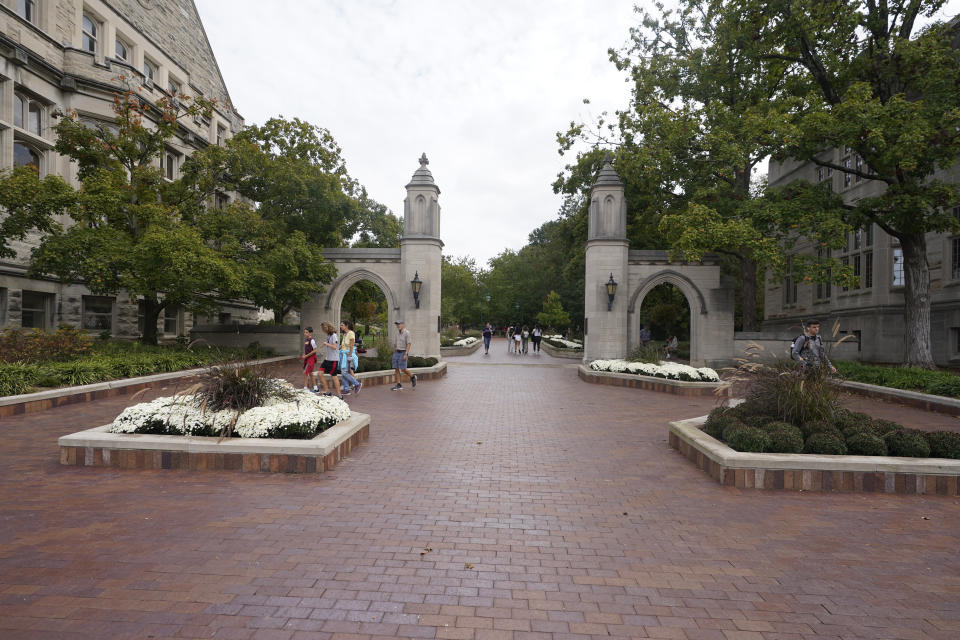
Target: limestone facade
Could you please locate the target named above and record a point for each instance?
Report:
(612, 329)
(873, 311)
(60, 55)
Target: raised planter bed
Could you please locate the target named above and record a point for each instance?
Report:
(570, 354)
(387, 376)
(649, 383)
(43, 400)
(809, 472)
(925, 401)
(98, 448)
(461, 351)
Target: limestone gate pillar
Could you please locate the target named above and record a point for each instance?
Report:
(420, 256)
(607, 254)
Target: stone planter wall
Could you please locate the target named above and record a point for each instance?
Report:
(98, 448)
(461, 351)
(925, 401)
(649, 383)
(570, 354)
(808, 472)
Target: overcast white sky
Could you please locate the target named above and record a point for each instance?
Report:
(481, 87)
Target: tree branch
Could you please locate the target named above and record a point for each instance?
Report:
(842, 169)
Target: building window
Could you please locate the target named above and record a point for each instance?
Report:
(34, 310)
(224, 318)
(91, 29)
(867, 269)
(122, 51)
(221, 135)
(860, 256)
(173, 87)
(171, 320)
(149, 70)
(898, 277)
(858, 336)
(221, 200)
(24, 156)
(97, 313)
(169, 165)
(27, 9)
(859, 167)
(955, 259)
(846, 176)
(27, 113)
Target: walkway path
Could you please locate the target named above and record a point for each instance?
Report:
(499, 502)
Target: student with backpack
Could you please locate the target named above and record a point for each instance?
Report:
(807, 349)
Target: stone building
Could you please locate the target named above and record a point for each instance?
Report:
(872, 311)
(69, 55)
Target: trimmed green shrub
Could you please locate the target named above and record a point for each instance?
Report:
(944, 444)
(818, 426)
(784, 438)
(936, 382)
(758, 422)
(907, 443)
(731, 426)
(718, 420)
(866, 444)
(883, 428)
(825, 443)
(858, 423)
(748, 439)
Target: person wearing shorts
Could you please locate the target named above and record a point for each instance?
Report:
(400, 353)
(309, 358)
(347, 355)
(330, 359)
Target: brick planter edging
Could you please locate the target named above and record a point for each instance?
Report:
(649, 383)
(809, 472)
(43, 400)
(569, 354)
(461, 351)
(98, 448)
(925, 401)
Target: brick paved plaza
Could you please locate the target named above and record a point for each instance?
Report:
(500, 502)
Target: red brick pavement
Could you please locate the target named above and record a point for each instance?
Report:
(499, 502)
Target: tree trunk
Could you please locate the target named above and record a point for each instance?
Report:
(748, 291)
(279, 315)
(916, 298)
(151, 315)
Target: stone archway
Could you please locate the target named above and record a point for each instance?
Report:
(337, 290)
(690, 291)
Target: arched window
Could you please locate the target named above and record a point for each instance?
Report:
(90, 31)
(24, 156)
(121, 50)
(27, 113)
(18, 105)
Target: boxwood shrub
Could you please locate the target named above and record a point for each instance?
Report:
(907, 443)
(784, 438)
(746, 438)
(944, 444)
(818, 426)
(866, 444)
(826, 443)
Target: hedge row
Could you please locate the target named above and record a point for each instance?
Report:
(940, 383)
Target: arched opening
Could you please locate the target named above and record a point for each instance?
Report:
(665, 312)
(365, 305)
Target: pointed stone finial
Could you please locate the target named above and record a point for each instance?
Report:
(423, 160)
(607, 158)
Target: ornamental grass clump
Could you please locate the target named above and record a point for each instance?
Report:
(787, 393)
(907, 443)
(829, 443)
(783, 438)
(944, 444)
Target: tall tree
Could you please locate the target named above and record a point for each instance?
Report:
(127, 233)
(863, 75)
(462, 300)
(30, 204)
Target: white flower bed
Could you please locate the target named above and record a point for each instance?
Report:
(294, 412)
(465, 342)
(569, 344)
(668, 370)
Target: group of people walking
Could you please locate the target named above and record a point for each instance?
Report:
(520, 337)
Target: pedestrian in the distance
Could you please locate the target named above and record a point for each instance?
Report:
(536, 336)
(401, 351)
(672, 345)
(510, 339)
(309, 359)
(348, 359)
(644, 335)
(516, 339)
(525, 338)
(487, 336)
(331, 358)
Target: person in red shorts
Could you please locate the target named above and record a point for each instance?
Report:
(309, 358)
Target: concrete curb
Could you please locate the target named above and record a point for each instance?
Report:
(43, 400)
(925, 401)
(809, 472)
(649, 383)
(461, 351)
(562, 353)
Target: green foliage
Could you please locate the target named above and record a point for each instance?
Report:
(748, 439)
(818, 426)
(235, 387)
(866, 444)
(783, 438)
(30, 203)
(783, 391)
(718, 420)
(943, 383)
(553, 315)
(758, 422)
(34, 345)
(825, 443)
(17, 378)
(462, 298)
(944, 444)
(907, 443)
(384, 363)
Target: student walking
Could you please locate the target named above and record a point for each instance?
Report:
(309, 359)
(330, 359)
(510, 339)
(516, 339)
(537, 337)
(487, 336)
(348, 359)
(525, 338)
(400, 356)
(808, 349)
